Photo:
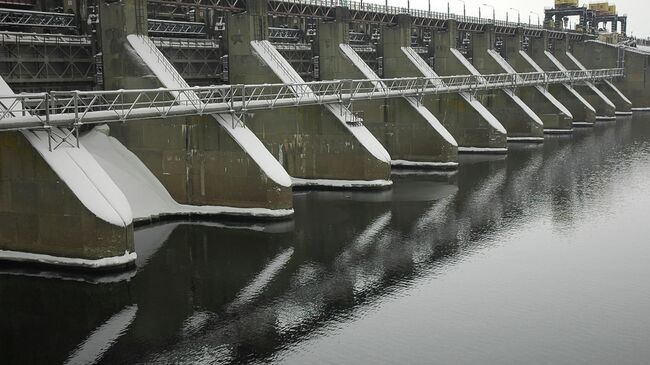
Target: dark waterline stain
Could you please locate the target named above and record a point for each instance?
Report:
(538, 257)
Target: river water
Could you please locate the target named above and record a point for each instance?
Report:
(540, 257)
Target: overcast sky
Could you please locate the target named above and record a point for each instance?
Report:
(637, 10)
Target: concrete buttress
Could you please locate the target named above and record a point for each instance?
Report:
(584, 114)
(318, 145)
(203, 162)
(521, 122)
(412, 135)
(472, 125)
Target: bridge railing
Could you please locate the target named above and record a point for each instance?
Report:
(75, 108)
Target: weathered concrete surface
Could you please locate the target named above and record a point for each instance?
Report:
(584, 114)
(469, 125)
(605, 108)
(406, 132)
(616, 96)
(310, 142)
(39, 214)
(555, 116)
(518, 118)
(636, 83)
(197, 161)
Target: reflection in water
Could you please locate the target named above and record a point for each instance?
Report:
(224, 293)
(93, 348)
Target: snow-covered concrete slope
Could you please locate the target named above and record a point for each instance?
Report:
(85, 178)
(170, 78)
(591, 86)
(81, 173)
(288, 75)
(537, 68)
(427, 71)
(147, 195)
(370, 74)
(473, 71)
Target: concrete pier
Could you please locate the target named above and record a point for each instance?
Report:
(57, 208)
(199, 159)
(411, 134)
(634, 86)
(472, 125)
(584, 114)
(555, 116)
(517, 117)
(311, 142)
(564, 60)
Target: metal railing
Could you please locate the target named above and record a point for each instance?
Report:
(76, 108)
(394, 10)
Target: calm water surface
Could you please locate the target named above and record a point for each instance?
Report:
(542, 257)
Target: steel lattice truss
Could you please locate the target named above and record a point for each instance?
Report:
(176, 28)
(229, 5)
(24, 18)
(299, 56)
(197, 60)
(359, 12)
(285, 35)
(71, 109)
(37, 61)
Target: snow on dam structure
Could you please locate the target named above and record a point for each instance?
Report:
(411, 92)
(413, 136)
(310, 141)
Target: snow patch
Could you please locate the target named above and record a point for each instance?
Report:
(18, 256)
(342, 183)
(559, 131)
(525, 139)
(405, 163)
(482, 150)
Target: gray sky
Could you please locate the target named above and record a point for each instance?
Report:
(637, 10)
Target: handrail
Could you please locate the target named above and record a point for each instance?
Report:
(70, 108)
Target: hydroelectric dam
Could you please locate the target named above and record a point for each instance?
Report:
(121, 113)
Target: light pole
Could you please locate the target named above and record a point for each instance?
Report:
(449, 12)
(463, 1)
(494, 16)
(518, 15)
(533, 13)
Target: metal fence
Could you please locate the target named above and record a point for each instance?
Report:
(75, 108)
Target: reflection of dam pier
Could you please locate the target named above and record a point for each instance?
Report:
(154, 115)
(229, 291)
